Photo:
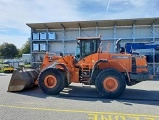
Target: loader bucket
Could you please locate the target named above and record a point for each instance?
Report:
(21, 80)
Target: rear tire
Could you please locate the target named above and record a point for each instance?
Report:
(110, 83)
(51, 81)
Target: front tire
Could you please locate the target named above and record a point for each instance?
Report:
(110, 83)
(51, 81)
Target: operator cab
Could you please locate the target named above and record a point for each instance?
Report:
(86, 46)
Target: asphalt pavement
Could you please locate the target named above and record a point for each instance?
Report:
(79, 102)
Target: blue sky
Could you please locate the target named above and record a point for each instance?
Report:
(14, 14)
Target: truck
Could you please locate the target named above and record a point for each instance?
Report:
(26, 58)
(109, 72)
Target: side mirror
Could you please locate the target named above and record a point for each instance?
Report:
(118, 45)
(61, 54)
(122, 50)
(77, 56)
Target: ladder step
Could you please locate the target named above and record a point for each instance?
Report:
(85, 76)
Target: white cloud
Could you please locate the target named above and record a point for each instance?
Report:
(18, 40)
(138, 3)
(108, 5)
(123, 9)
(16, 13)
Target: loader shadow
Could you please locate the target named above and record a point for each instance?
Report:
(129, 97)
(79, 93)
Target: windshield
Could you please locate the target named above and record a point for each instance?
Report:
(77, 52)
(89, 47)
(85, 48)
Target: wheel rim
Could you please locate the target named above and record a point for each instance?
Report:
(110, 84)
(50, 81)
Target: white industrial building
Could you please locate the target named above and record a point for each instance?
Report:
(57, 37)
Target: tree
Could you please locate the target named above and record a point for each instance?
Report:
(25, 49)
(8, 50)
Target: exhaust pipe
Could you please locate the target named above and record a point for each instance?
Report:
(118, 45)
(21, 80)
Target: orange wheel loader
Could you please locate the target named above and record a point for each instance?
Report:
(109, 72)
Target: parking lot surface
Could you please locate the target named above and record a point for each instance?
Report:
(78, 102)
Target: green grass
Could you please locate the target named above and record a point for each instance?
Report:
(1, 68)
(1, 61)
(1, 71)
